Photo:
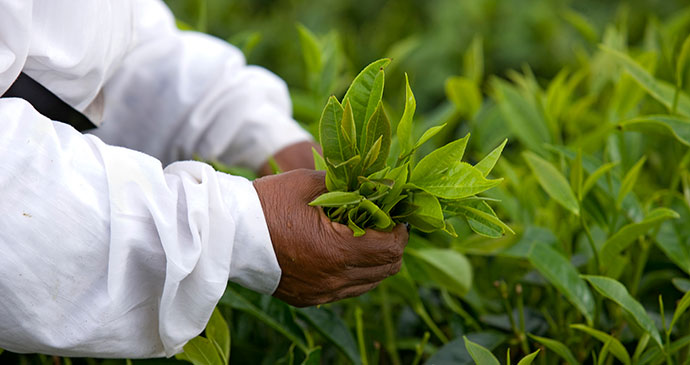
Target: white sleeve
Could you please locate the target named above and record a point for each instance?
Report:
(105, 253)
(182, 93)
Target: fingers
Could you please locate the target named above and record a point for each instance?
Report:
(374, 248)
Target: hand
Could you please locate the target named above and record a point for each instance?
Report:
(294, 156)
(320, 260)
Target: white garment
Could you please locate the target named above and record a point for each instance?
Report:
(103, 252)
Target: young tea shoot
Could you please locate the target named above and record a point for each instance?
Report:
(367, 188)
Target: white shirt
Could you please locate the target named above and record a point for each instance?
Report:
(103, 252)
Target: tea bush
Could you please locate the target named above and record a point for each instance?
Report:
(593, 100)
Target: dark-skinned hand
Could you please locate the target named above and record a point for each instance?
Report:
(321, 261)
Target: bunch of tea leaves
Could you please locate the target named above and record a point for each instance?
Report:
(370, 189)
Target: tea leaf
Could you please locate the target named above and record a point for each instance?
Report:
(522, 116)
(454, 352)
(404, 131)
(438, 162)
(630, 232)
(348, 131)
(473, 60)
(333, 328)
(218, 333)
(683, 305)
(377, 127)
(480, 354)
(235, 300)
(428, 216)
(527, 360)
(329, 131)
(673, 125)
(674, 245)
(576, 175)
(596, 175)
(464, 94)
(552, 181)
(361, 88)
(629, 181)
(448, 268)
(200, 351)
(336, 199)
(564, 276)
(356, 229)
(373, 154)
(616, 347)
(379, 218)
(313, 357)
(376, 95)
(489, 161)
(557, 347)
(658, 89)
(319, 162)
(459, 181)
(615, 291)
(310, 49)
(427, 135)
(681, 284)
(480, 217)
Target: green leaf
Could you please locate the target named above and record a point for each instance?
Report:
(674, 245)
(557, 347)
(319, 162)
(337, 199)
(629, 181)
(464, 94)
(473, 60)
(615, 291)
(333, 328)
(428, 216)
(218, 333)
(235, 300)
(480, 216)
(683, 305)
(377, 127)
(564, 276)
(404, 131)
(616, 347)
(489, 161)
(455, 352)
(521, 114)
(200, 351)
(630, 232)
(673, 125)
(480, 354)
(313, 357)
(576, 175)
(595, 176)
(357, 231)
(660, 90)
(348, 132)
(399, 176)
(552, 181)
(682, 61)
(311, 51)
(361, 88)
(459, 181)
(378, 218)
(681, 284)
(527, 360)
(438, 162)
(428, 134)
(448, 268)
(329, 131)
(654, 354)
(376, 95)
(373, 154)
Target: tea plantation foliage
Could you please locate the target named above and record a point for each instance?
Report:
(594, 100)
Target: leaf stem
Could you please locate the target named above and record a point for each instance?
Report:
(388, 326)
(360, 335)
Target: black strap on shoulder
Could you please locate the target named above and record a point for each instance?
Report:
(47, 103)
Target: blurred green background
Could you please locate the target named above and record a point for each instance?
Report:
(426, 38)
